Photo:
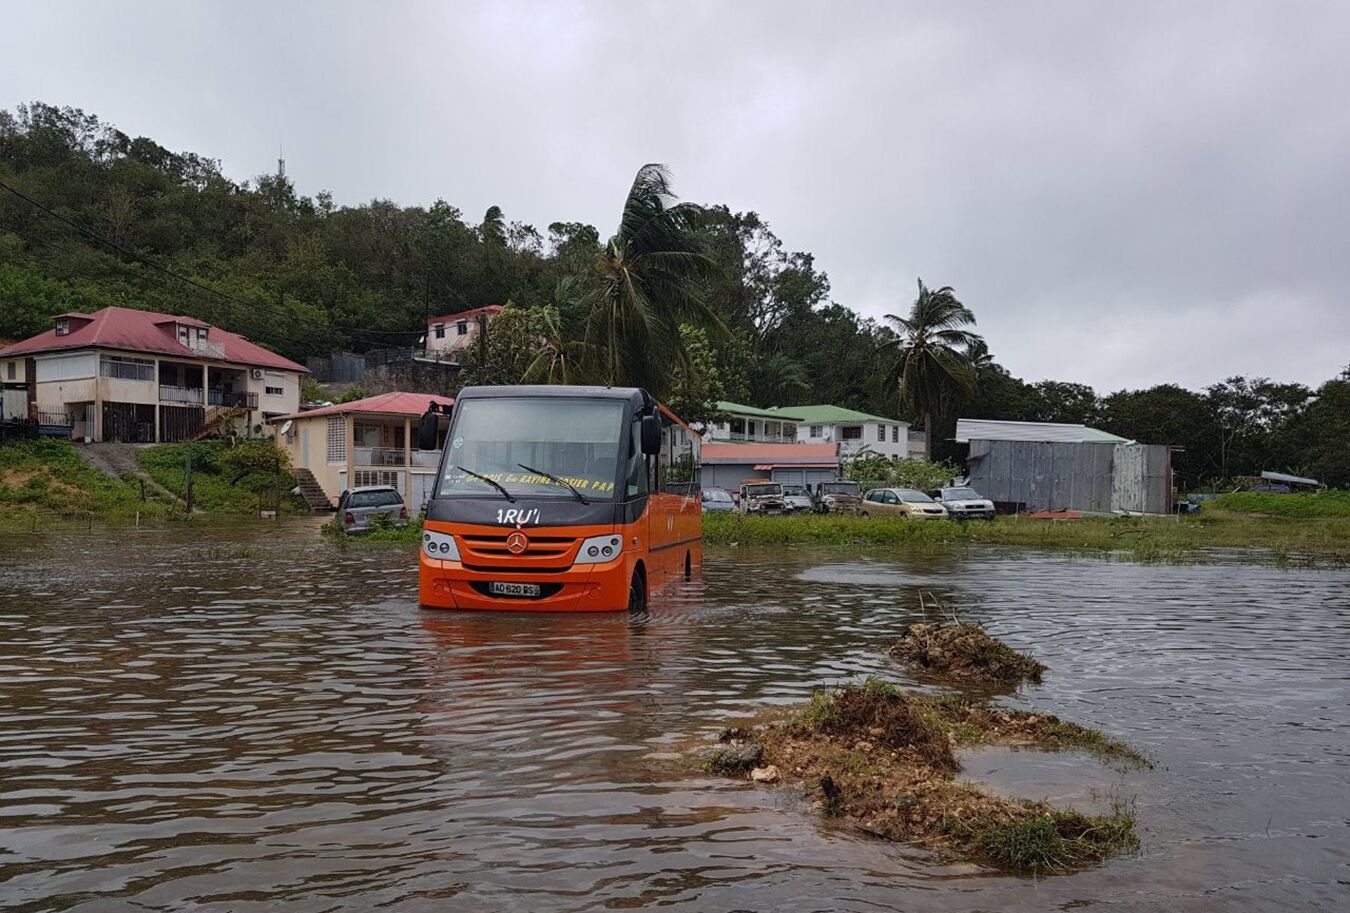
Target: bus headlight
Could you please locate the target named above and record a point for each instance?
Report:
(600, 548)
(440, 546)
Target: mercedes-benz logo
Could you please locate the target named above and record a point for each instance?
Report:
(517, 543)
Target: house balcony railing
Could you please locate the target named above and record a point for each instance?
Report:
(224, 398)
(170, 394)
(393, 456)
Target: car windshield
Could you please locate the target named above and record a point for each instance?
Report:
(839, 488)
(717, 495)
(756, 491)
(577, 440)
(374, 499)
(961, 494)
(795, 491)
(913, 497)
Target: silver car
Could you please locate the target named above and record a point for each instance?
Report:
(358, 508)
(965, 503)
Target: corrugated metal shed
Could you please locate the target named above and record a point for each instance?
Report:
(1064, 475)
(973, 429)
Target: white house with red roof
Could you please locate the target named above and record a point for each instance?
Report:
(121, 374)
(368, 441)
(450, 335)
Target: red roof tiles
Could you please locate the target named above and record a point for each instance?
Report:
(467, 315)
(130, 330)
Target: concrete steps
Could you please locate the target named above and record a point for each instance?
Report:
(312, 491)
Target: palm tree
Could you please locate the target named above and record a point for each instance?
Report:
(560, 358)
(932, 366)
(647, 283)
(777, 374)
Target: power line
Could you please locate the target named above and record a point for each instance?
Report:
(355, 334)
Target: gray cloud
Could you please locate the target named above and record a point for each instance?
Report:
(1126, 194)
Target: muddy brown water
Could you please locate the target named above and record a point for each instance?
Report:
(249, 720)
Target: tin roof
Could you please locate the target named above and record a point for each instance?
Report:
(826, 414)
(130, 330)
(467, 315)
(396, 403)
(979, 429)
(754, 412)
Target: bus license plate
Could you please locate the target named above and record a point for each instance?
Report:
(513, 589)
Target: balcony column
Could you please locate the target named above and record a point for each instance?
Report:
(156, 388)
(206, 397)
(351, 450)
(407, 460)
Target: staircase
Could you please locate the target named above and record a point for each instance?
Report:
(311, 491)
(216, 417)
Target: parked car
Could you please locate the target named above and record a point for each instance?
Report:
(798, 498)
(717, 499)
(965, 503)
(762, 498)
(838, 497)
(358, 508)
(901, 502)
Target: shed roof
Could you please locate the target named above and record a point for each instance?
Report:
(979, 429)
(782, 454)
(825, 414)
(130, 330)
(396, 403)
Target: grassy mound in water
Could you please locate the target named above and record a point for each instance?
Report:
(883, 760)
(964, 652)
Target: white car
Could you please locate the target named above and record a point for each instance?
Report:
(965, 503)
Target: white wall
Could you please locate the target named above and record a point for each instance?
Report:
(66, 367)
(895, 446)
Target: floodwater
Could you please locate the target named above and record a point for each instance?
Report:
(250, 720)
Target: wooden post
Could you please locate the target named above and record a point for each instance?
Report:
(187, 482)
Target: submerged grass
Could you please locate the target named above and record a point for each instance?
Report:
(1321, 537)
(884, 759)
(45, 481)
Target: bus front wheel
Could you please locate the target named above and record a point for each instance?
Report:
(637, 592)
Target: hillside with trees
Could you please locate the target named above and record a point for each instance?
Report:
(697, 302)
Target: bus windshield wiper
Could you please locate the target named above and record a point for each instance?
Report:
(497, 485)
(548, 475)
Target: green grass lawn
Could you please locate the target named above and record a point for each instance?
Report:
(45, 482)
(214, 484)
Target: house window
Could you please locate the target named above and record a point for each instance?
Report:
(851, 432)
(366, 477)
(440, 331)
(10, 373)
(184, 335)
(337, 440)
(752, 428)
(881, 433)
(815, 431)
(126, 368)
(63, 327)
(895, 434)
(274, 391)
(462, 327)
(738, 426)
(201, 334)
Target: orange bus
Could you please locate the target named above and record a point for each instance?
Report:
(559, 499)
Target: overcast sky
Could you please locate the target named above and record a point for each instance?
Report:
(1124, 193)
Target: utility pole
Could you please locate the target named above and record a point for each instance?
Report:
(187, 483)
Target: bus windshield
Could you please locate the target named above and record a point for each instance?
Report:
(576, 440)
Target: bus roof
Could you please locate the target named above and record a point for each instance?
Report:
(634, 394)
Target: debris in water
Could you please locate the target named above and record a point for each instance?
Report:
(883, 759)
(964, 652)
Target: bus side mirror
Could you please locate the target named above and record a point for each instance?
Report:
(651, 434)
(426, 431)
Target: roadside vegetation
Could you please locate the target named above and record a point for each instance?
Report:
(964, 653)
(241, 477)
(1320, 537)
(884, 760)
(45, 483)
